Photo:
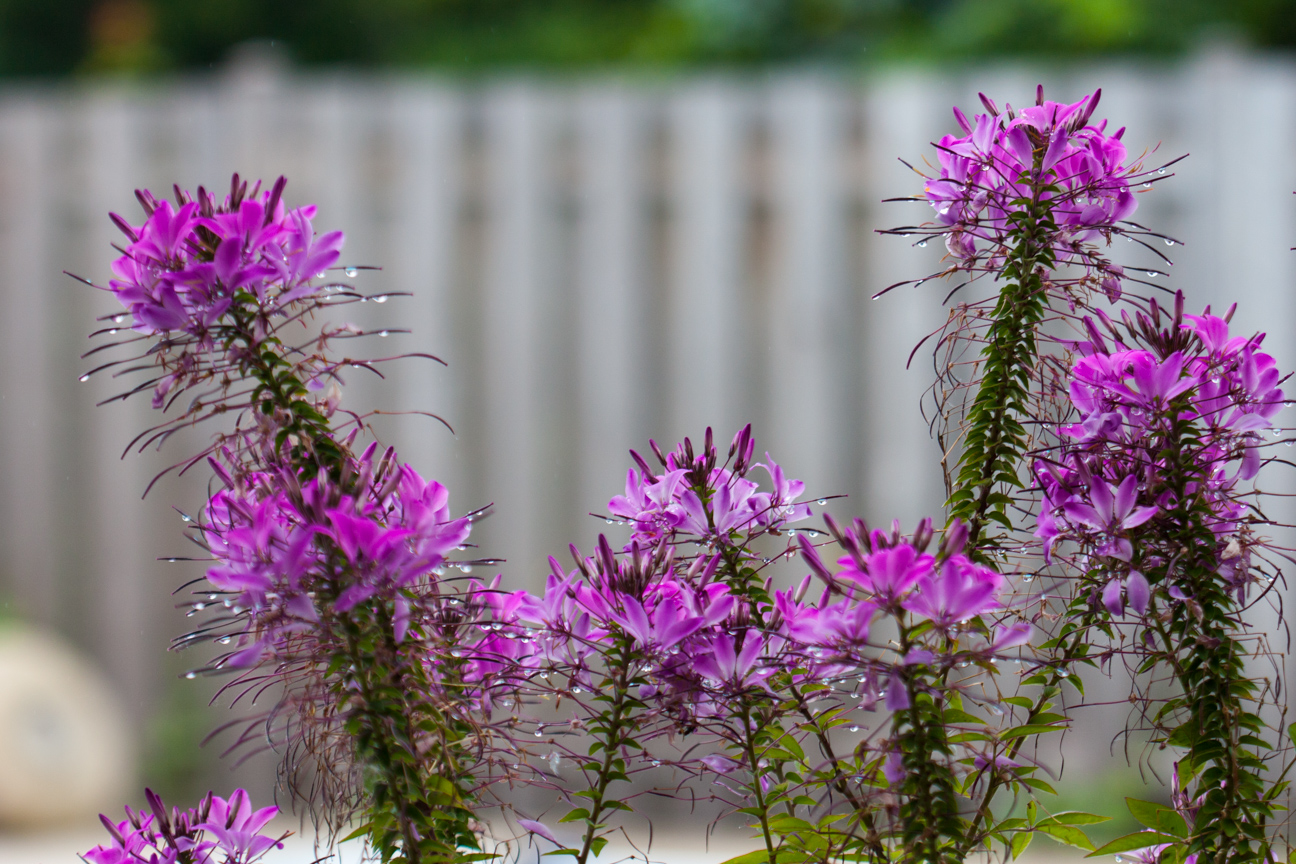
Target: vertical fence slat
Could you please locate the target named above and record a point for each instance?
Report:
(26, 351)
(123, 561)
(515, 288)
(807, 299)
(707, 361)
(611, 255)
(901, 476)
(421, 258)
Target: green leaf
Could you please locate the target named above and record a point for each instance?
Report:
(1020, 841)
(1075, 817)
(1068, 834)
(1140, 840)
(759, 856)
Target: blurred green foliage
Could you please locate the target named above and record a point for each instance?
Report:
(62, 37)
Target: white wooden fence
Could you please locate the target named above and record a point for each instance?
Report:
(600, 262)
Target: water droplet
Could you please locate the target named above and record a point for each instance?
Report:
(323, 274)
(211, 596)
(466, 568)
(1028, 577)
(350, 272)
(539, 733)
(854, 728)
(1287, 443)
(1169, 242)
(191, 675)
(382, 298)
(576, 690)
(185, 517)
(85, 377)
(117, 319)
(1160, 170)
(922, 244)
(197, 606)
(1151, 274)
(609, 521)
(224, 640)
(384, 333)
(113, 332)
(1147, 185)
(822, 501)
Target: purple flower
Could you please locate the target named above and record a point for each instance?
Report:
(957, 592)
(987, 173)
(1111, 510)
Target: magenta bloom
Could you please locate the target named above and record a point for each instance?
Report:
(173, 276)
(216, 832)
(987, 173)
(888, 574)
(957, 592)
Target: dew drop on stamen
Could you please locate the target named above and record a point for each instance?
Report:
(384, 333)
(922, 244)
(1169, 242)
(380, 299)
(854, 728)
(822, 501)
(191, 675)
(351, 272)
(85, 377)
(1161, 170)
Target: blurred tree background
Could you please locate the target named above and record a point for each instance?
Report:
(43, 38)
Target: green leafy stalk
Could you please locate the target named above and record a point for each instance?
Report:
(613, 730)
(1210, 717)
(929, 809)
(415, 813)
(995, 438)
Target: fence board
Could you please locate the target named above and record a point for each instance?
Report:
(598, 262)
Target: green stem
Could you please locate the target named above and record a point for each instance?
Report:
(613, 765)
(750, 733)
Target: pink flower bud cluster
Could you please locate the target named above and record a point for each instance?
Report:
(1193, 385)
(1005, 159)
(216, 832)
(183, 266)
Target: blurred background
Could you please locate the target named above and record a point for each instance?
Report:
(619, 219)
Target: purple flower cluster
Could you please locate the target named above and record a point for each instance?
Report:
(217, 831)
(1193, 384)
(669, 503)
(1047, 152)
(184, 265)
(283, 546)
